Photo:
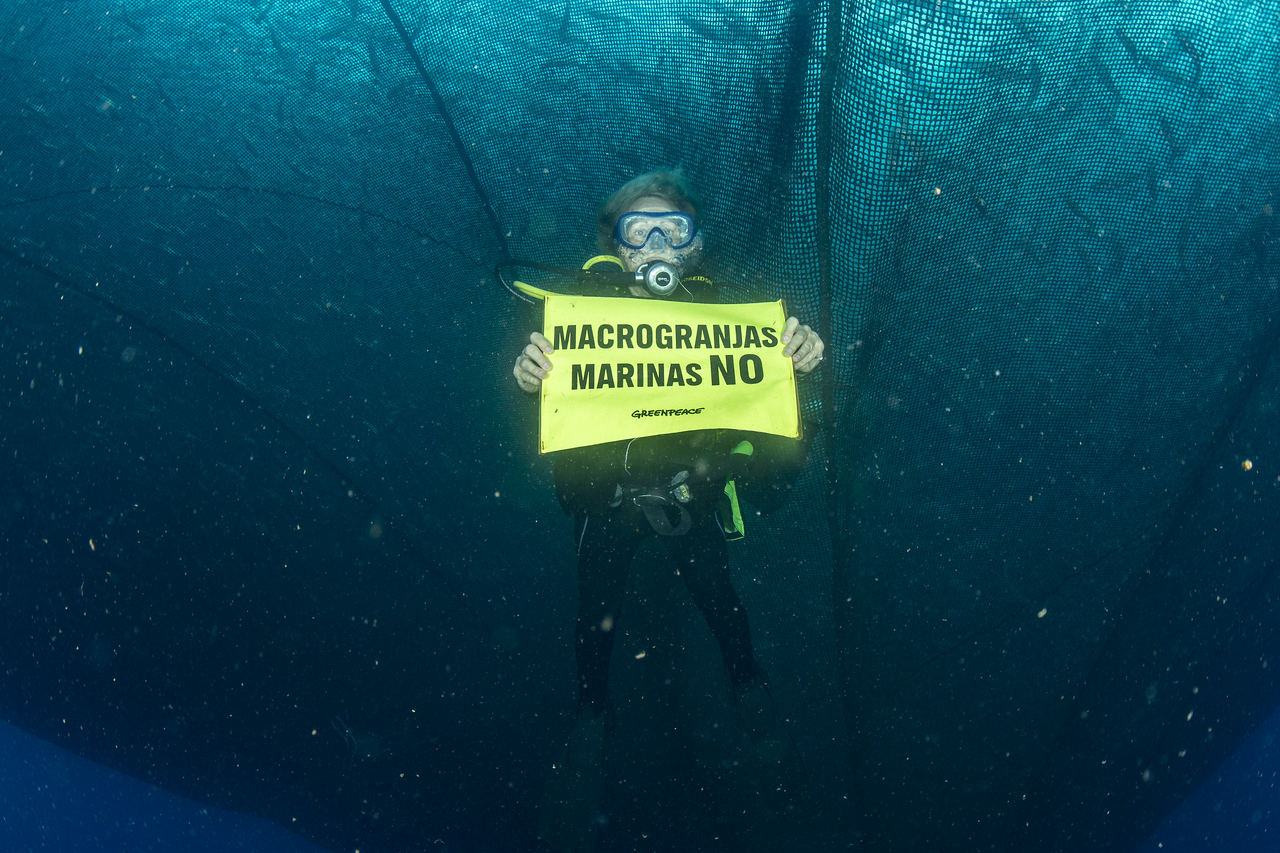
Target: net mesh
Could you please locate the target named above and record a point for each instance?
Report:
(277, 535)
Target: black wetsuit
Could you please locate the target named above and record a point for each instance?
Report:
(607, 542)
(609, 528)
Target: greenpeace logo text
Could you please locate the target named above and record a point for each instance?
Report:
(665, 413)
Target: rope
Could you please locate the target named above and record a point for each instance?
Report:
(450, 127)
(840, 586)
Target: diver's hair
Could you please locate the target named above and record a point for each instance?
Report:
(669, 184)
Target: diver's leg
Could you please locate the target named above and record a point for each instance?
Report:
(702, 558)
(607, 541)
(569, 816)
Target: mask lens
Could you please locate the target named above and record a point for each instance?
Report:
(679, 229)
(635, 228)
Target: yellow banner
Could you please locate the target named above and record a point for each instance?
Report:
(625, 368)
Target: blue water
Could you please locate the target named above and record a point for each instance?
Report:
(51, 799)
(1236, 809)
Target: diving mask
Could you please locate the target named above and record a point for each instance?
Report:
(655, 232)
(656, 247)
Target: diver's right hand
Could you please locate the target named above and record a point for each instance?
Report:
(532, 364)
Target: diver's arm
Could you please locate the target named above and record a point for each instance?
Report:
(803, 346)
(532, 364)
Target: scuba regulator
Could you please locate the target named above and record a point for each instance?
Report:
(659, 278)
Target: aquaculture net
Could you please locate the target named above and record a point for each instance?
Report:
(277, 535)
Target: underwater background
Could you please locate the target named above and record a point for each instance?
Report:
(274, 533)
(54, 800)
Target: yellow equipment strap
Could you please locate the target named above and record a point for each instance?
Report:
(530, 290)
(539, 293)
(738, 530)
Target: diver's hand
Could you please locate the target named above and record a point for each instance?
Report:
(803, 346)
(532, 364)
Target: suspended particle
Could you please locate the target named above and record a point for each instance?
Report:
(1043, 611)
(1247, 465)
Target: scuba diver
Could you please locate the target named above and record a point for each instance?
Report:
(682, 487)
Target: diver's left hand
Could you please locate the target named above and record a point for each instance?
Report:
(803, 346)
